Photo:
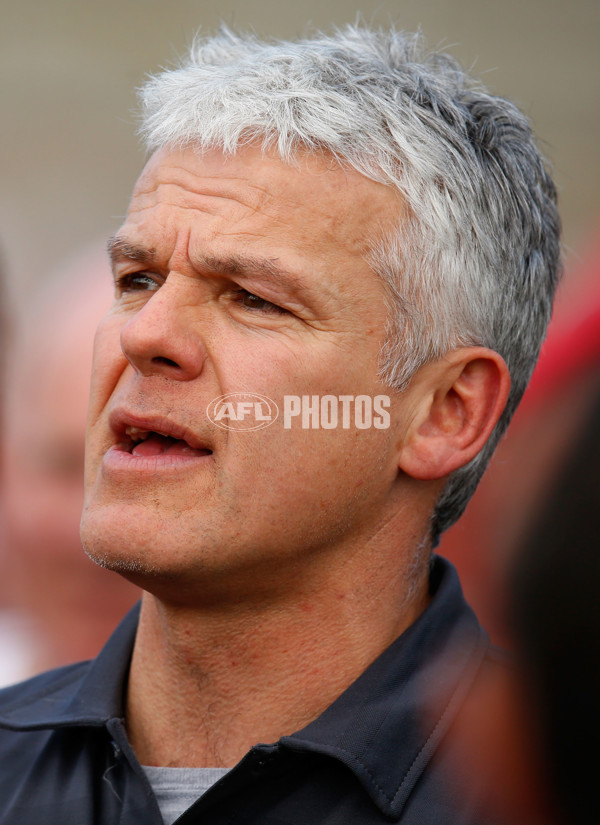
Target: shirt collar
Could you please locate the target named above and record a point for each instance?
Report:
(385, 727)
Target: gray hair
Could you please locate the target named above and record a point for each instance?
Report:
(476, 262)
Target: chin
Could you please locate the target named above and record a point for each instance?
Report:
(135, 567)
(130, 568)
(148, 550)
(117, 543)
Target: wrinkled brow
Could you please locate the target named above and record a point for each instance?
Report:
(242, 265)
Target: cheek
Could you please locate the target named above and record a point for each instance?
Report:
(108, 364)
(285, 365)
(306, 472)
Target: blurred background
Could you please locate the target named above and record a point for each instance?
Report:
(69, 156)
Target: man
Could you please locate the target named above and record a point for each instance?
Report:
(343, 218)
(62, 607)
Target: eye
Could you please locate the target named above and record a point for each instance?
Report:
(136, 282)
(250, 301)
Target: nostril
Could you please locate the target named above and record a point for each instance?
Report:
(156, 341)
(159, 359)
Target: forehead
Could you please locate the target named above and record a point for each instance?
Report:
(253, 199)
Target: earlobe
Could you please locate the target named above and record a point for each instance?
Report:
(458, 401)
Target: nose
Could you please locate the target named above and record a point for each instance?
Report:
(161, 338)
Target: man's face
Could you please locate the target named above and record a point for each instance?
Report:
(237, 275)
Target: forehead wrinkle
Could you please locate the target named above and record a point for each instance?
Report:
(244, 192)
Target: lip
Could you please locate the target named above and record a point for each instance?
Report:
(120, 419)
(119, 460)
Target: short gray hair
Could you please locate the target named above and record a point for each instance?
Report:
(477, 260)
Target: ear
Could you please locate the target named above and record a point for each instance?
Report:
(456, 403)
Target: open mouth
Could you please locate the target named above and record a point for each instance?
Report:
(146, 443)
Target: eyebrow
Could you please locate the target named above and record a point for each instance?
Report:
(250, 266)
(241, 265)
(119, 247)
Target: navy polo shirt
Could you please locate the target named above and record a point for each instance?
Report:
(380, 753)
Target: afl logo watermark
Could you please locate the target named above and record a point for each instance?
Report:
(242, 411)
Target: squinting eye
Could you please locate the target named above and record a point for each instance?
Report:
(135, 282)
(255, 302)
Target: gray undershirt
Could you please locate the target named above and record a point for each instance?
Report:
(176, 789)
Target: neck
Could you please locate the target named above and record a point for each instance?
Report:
(228, 676)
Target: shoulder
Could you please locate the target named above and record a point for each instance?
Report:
(30, 717)
(48, 750)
